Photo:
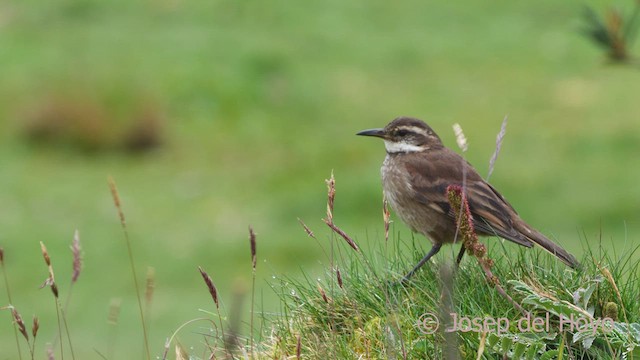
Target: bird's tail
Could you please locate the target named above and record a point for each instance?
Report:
(555, 249)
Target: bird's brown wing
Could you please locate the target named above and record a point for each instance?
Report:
(431, 174)
(492, 214)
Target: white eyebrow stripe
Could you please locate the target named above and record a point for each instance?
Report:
(414, 129)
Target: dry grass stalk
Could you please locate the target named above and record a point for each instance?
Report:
(331, 192)
(386, 216)
(483, 341)
(8, 291)
(76, 250)
(307, 230)
(464, 221)
(212, 288)
(460, 138)
(607, 274)
(77, 257)
(252, 241)
(181, 353)
(344, 235)
(116, 200)
(331, 195)
(299, 348)
(499, 138)
(149, 291)
(50, 281)
(323, 294)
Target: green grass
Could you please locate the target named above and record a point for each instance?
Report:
(372, 316)
(260, 102)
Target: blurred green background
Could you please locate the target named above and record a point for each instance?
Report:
(214, 115)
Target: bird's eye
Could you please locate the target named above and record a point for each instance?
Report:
(402, 132)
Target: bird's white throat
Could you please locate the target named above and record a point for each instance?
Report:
(401, 147)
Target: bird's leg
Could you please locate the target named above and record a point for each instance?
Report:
(460, 255)
(434, 250)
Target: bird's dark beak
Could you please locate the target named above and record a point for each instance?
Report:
(373, 132)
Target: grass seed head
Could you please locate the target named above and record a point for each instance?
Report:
(306, 229)
(45, 254)
(19, 322)
(35, 327)
(50, 355)
(386, 215)
(116, 199)
(252, 241)
(460, 138)
(331, 195)
(54, 289)
(323, 294)
(342, 234)
(212, 288)
(77, 257)
(496, 152)
(114, 312)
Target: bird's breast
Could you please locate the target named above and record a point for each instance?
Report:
(429, 219)
(399, 192)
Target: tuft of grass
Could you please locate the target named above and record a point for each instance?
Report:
(590, 313)
(372, 317)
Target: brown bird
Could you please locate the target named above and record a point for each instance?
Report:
(416, 172)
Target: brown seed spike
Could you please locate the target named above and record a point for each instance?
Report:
(252, 240)
(45, 254)
(54, 289)
(299, 348)
(1, 256)
(323, 294)
(35, 326)
(116, 199)
(339, 276)
(344, 235)
(18, 320)
(212, 288)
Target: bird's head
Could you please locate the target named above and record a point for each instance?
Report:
(405, 135)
